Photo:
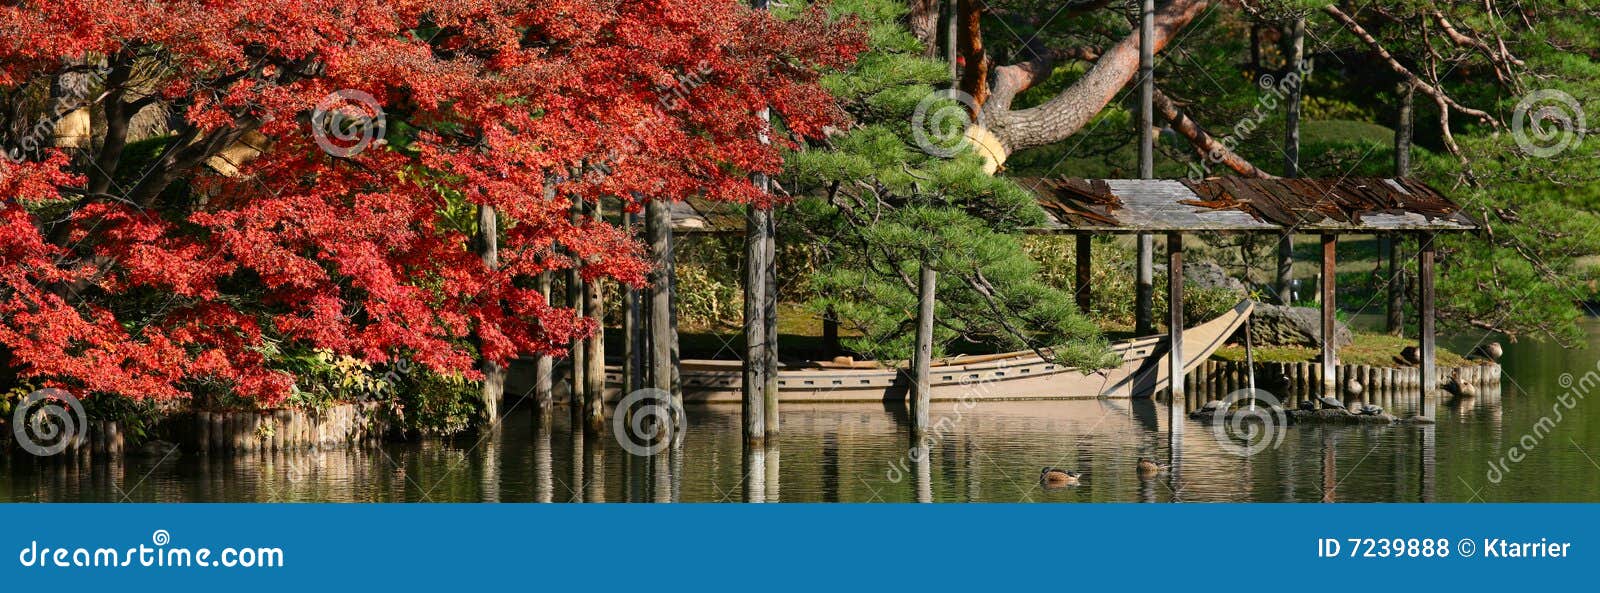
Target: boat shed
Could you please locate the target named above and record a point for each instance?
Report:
(1325, 207)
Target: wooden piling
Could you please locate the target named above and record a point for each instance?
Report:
(1425, 320)
(575, 301)
(594, 355)
(492, 389)
(769, 306)
(1330, 356)
(1175, 331)
(922, 384)
(753, 404)
(543, 368)
(202, 431)
(659, 232)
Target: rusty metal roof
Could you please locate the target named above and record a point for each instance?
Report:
(1232, 204)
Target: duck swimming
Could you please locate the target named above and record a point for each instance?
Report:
(1149, 468)
(1055, 477)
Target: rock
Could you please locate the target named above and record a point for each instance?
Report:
(1207, 275)
(1279, 325)
(1338, 417)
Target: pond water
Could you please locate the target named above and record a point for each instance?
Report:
(991, 451)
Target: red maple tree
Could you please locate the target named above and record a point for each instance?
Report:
(142, 277)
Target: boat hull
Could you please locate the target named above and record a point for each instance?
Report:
(1011, 376)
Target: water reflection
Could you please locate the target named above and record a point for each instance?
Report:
(990, 451)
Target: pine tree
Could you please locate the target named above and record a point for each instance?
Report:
(900, 189)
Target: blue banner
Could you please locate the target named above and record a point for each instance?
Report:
(274, 547)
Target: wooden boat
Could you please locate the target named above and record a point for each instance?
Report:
(1010, 375)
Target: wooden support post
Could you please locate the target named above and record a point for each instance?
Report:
(1144, 268)
(594, 355)
(755, 328)
(575, 302)
(922, 380)
(1175, 411)
(659, 233)
(1084, 293)
(494, 375)
(1425, 318)
(1144, 287)
(543, 367)
(1394, 311)
(632, 346)
(1330, 358)
(769, 306)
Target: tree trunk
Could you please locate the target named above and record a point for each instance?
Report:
(769, 307)
(594, 356)
(575, 302)
(1394, 316)
(543, 382)
(659, 232)
(923, 20)
(1066, 113)
(755, 326)
(1296, 51)
(494, 375)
